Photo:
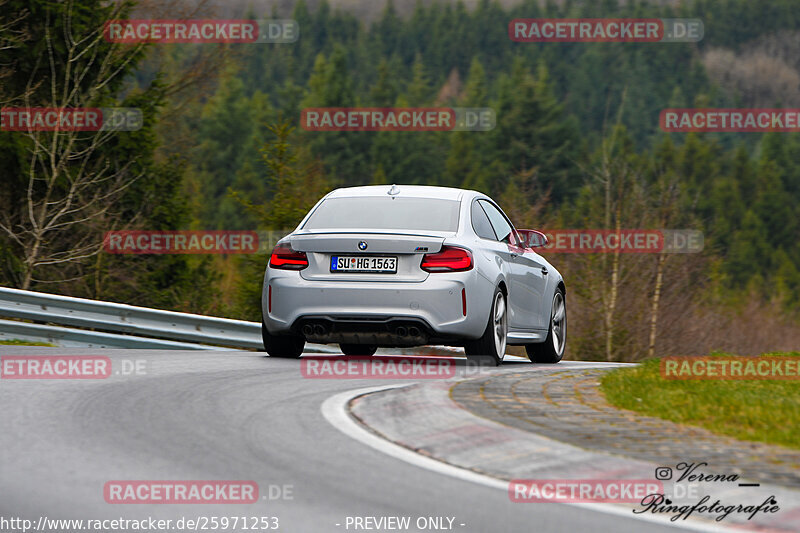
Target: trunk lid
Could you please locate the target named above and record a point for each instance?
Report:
(408, 248)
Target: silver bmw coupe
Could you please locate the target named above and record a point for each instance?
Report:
(397, 266)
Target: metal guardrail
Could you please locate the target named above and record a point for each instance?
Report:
(81, 338)
(120, 325)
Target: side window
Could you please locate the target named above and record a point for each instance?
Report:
(481, 224)
(501, 226)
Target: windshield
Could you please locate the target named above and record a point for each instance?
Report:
(385, 213)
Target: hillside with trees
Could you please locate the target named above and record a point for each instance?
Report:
(577, 145)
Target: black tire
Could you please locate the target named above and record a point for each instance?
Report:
(488, 349)
(284, 346)
(549, 351)
(358, 349)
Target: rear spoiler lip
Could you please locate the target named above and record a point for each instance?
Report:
(346, 232)
(381, 243)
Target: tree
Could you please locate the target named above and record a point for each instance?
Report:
(466, 165)
(64, 184)
(298, 183)
(384, 93)
(226, 125)
(533, 132)
(418, 92)
(343, 153)
(62, 190)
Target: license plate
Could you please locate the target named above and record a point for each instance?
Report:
(363, 263)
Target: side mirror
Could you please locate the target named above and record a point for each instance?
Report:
(532, 238)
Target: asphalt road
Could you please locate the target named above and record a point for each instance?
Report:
(230, 416)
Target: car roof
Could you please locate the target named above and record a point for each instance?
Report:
(405, 191)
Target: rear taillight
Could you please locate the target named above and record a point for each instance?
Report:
(284, 258)
(449, 259)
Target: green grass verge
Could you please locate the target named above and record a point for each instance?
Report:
(761, 411)
(18, 342)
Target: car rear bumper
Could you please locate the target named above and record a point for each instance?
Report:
(372, 312)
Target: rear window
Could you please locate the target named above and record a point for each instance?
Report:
(381, 213)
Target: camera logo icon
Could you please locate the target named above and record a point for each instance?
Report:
(663, 473)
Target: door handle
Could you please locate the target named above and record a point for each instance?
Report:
(544, 270)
